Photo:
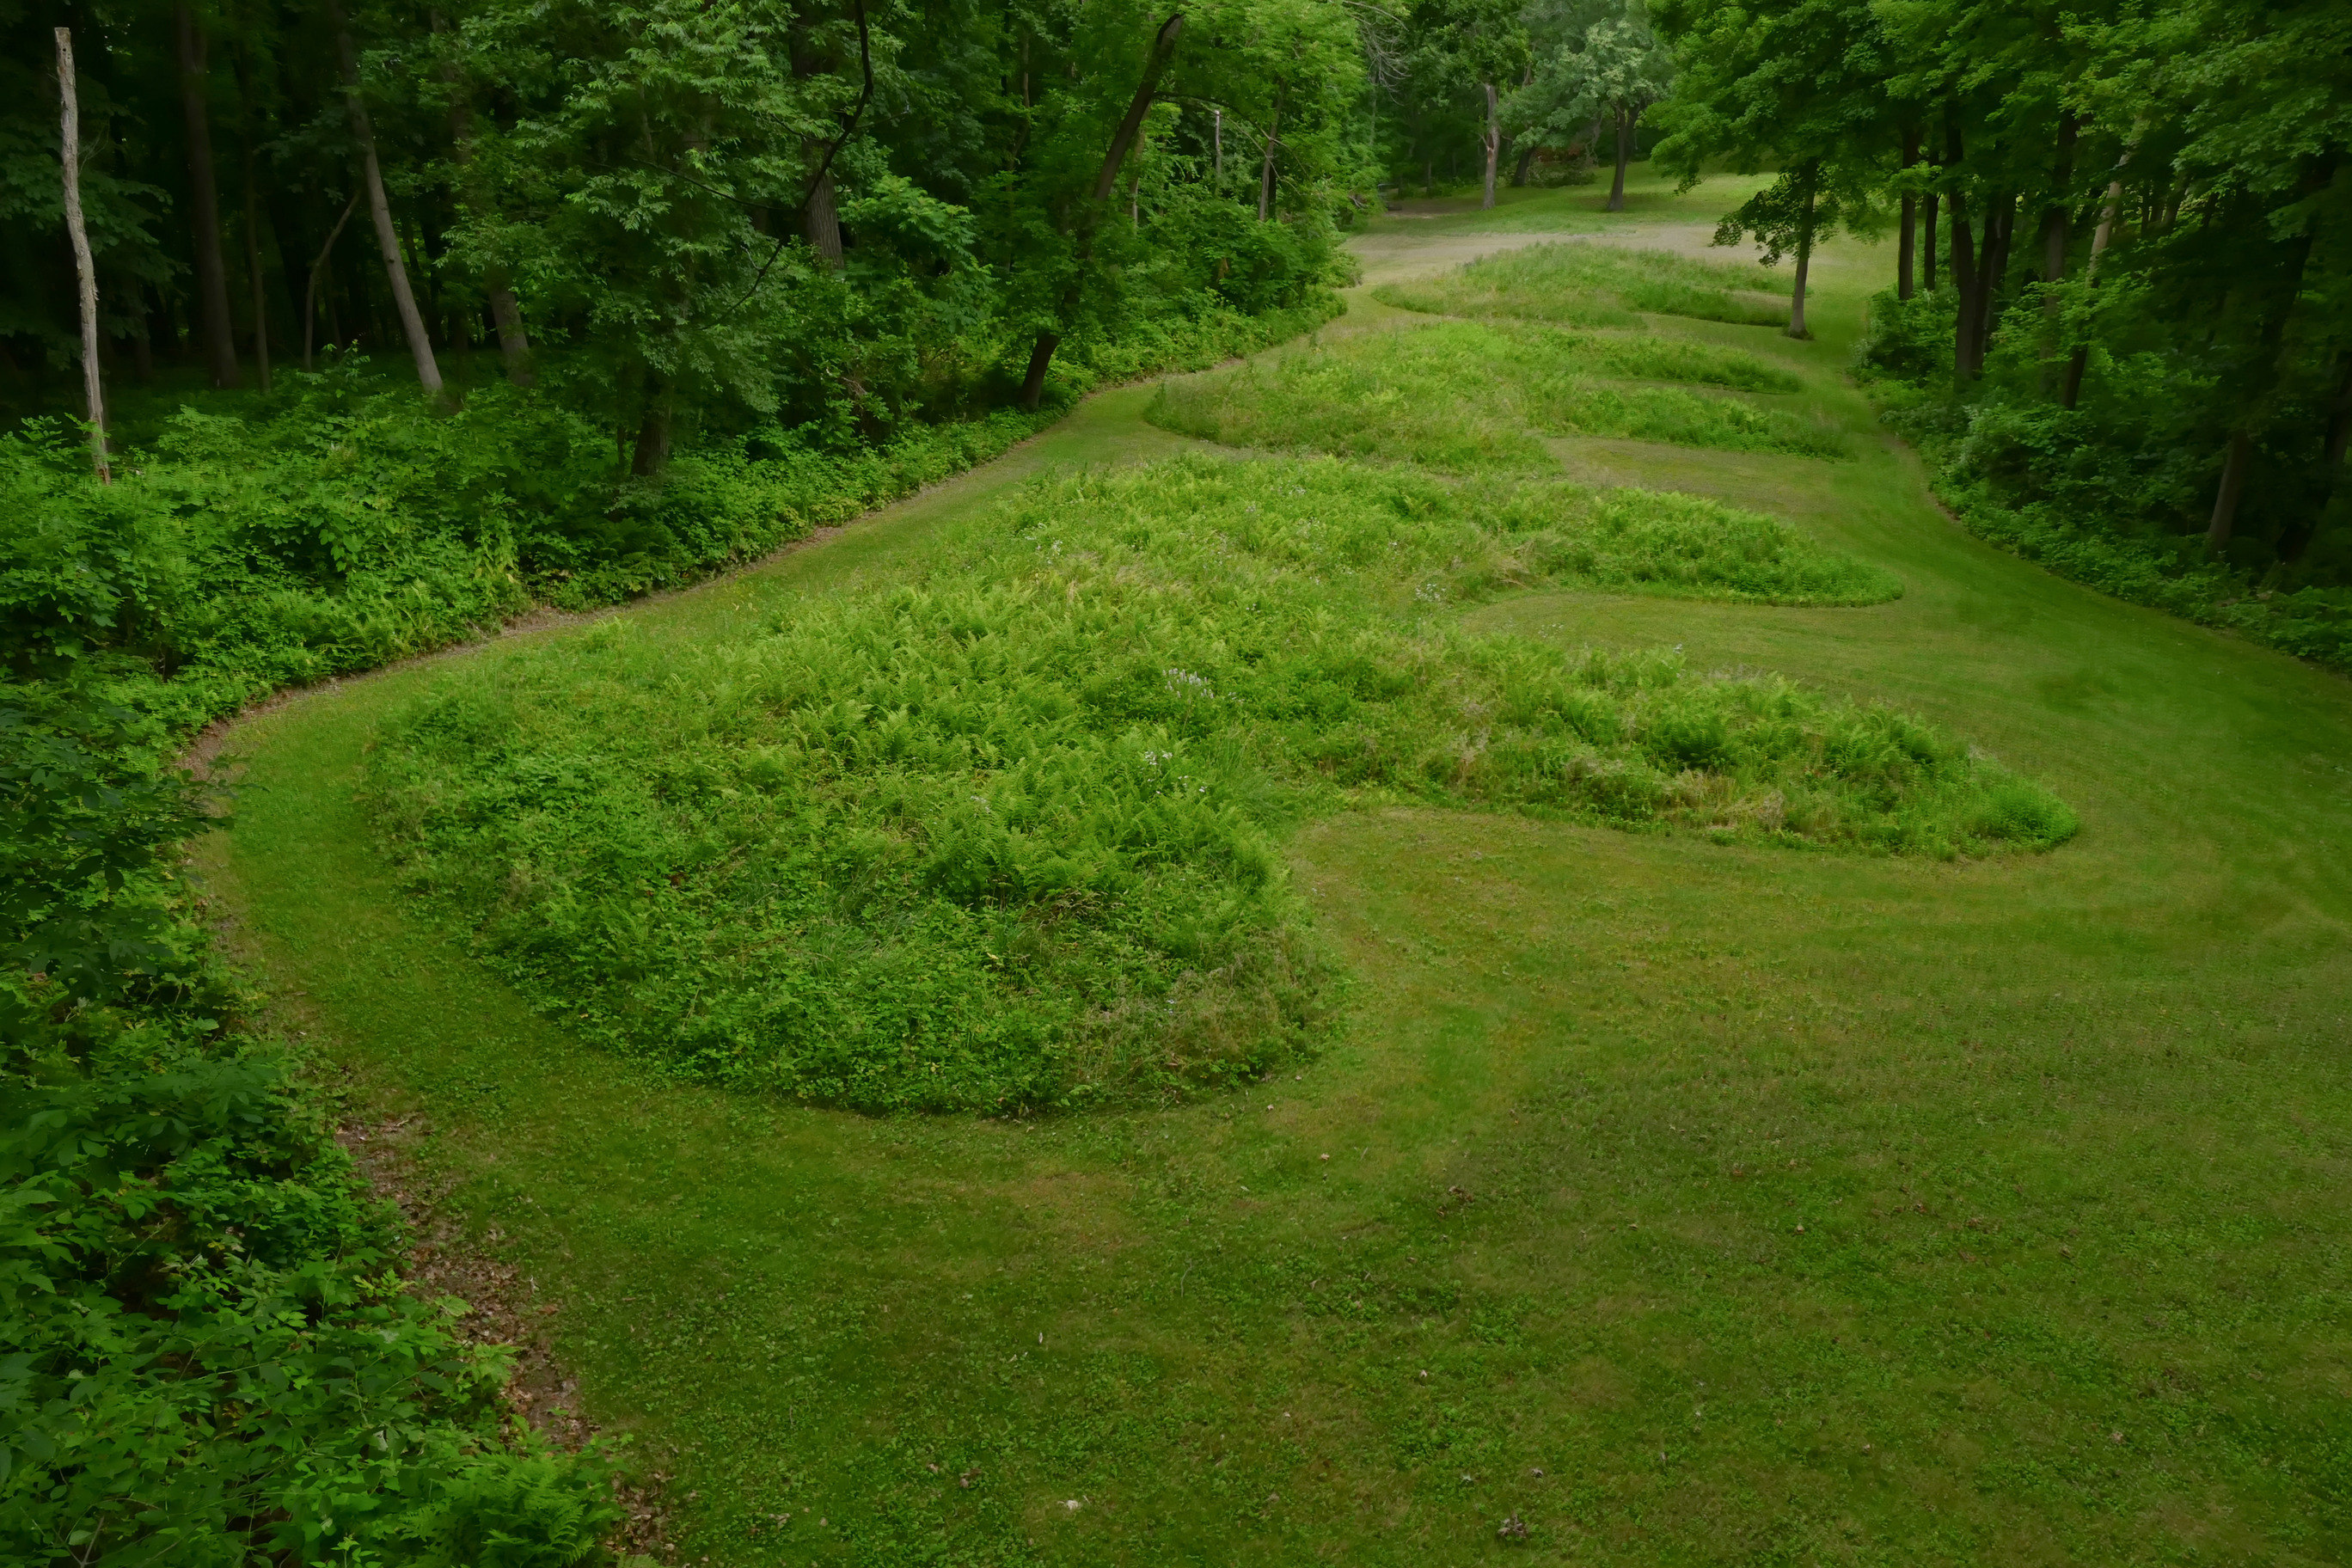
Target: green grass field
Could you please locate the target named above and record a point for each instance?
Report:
(1689, 1201)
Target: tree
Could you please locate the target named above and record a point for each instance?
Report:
(1801, 81)
(1612, 68)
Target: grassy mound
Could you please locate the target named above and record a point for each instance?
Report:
(1457, 396)
(1592, 285)
(1006, 833)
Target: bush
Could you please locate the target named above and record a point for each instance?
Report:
(206, 1350)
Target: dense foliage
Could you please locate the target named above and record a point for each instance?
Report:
(1004, 833)
(2121, 323)
(207, 1356)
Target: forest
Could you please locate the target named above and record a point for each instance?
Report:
(718, 719)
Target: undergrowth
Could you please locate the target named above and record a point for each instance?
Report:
(1587, 284)
(2115, 493)
(1459, 396)
(206, 1352)
(1005, 833)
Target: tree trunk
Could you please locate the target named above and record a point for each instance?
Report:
(1813, 180)
(1527, 162)
(1907, 240)
(1217, 139)
(1624, 155)
(93, 389)
(387, 237)
(2236, 461)
(2054, 245)
(310, 283)
(821, 222)
(506, 312)
(204, 201)
(1992, 267)
(1971, 301)
(253, 270)
(651, 454)
(2073, 390)
(1041, 356)
(1494, 144)
(2275, 349)
(1928, 241)
(1163, 51)
(1265, 175)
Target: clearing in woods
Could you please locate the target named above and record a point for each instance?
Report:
(1676, 1196)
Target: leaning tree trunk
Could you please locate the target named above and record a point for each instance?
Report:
(1049, 338)
(1494, 144)
(387, 236)
(93, 390)
(1624, 155)
(204, 201)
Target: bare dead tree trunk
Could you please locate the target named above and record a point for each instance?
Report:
(387, 237)
(1155, 65)
(1494, 144)
(203, 200)
(310, 284)
(93, 389)
(1217, 140)
(1624, 155)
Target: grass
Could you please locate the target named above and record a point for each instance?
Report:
(1460, 396)
(1588, 285)
(1006, 832)
(2063, 1133)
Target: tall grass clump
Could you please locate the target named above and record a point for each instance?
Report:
(1584, 284)
(1007, 832)
(1457, 396)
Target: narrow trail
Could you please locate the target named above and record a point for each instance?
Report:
(1689, 1202)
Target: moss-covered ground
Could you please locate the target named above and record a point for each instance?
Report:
(1687, 1202)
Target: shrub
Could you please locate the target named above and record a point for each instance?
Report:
(208, 1354)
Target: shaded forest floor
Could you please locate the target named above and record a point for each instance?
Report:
(1684, 1202)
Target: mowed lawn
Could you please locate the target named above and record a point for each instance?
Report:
(1678, 1202)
